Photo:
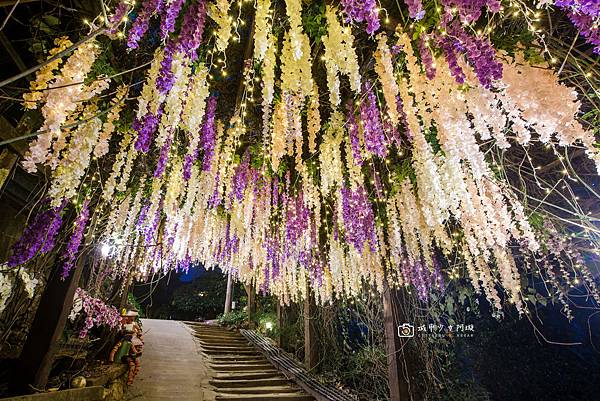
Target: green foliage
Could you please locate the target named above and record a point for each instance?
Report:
(536, 220)
(366, 370)
(266, 323)
(201, 299)
(131, 300)
(314, 22)
(102, 66)
(405, 169)
(235, 319)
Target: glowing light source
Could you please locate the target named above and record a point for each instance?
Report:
(105, 250)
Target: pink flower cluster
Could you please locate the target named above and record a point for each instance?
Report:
(97, 313)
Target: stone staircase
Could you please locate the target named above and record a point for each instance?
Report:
(241, 372)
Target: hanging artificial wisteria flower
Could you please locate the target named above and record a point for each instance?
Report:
(39, 236)
(218, 11)
(70, 171)
(62, 100)
(45, 75)
(375, 141)
(140, 25)
(362, 11)
(209, 133)
(340, 57)
(170, 11)
(70, 253)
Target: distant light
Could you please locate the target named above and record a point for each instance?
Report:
(269, 325)
(105, 250)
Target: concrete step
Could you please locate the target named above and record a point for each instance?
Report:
(217, 351)
(249, 375)
(230, 383)
(214, 329)
(234, 358)
(240, 368)
(245, 362)
(215, 337)
(259, 390)
(231, 347)
(228, 343)
(240, 371)
(265, 397)
(219, 337)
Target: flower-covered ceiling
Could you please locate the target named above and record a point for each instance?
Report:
(357, 148)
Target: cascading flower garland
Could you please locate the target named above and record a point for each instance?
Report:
(68, 174)
(38, 237)
(71, 251)
(64, 93)
(8, 281)
(375, 141)
(218, 11)
(340, 217)
(340, 57)
(45, 75)
(170, 11)
(108, 126)
(142, 22)
(362, 11)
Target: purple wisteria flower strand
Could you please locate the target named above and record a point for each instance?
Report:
(297, 218)
(240, 177)
(141, 23)
(164, 155)
(166, 78)
(116, 19)
(70, 253)
(192, 29)
(479, 52)
(362, 11)
(359, 221)
(38, 237)
(145, 128)
(375, 141)
(353, 133)
(151, 228)
(169, 15)
(426, 56)
(209, 133)
(415, 9)
(188, 160)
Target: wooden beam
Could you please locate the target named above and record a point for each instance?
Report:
(280, 323)
(311, 354)
(41, 347)
(7, 161)
(12, 52)
(28, 121)
(10, 3)
(229, 293)
(251, 293)
(395, 346)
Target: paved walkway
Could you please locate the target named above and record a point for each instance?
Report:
(172, 368)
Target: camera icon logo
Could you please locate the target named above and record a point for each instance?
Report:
(406, 330)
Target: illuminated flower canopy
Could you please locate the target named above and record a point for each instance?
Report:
(366, 167)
